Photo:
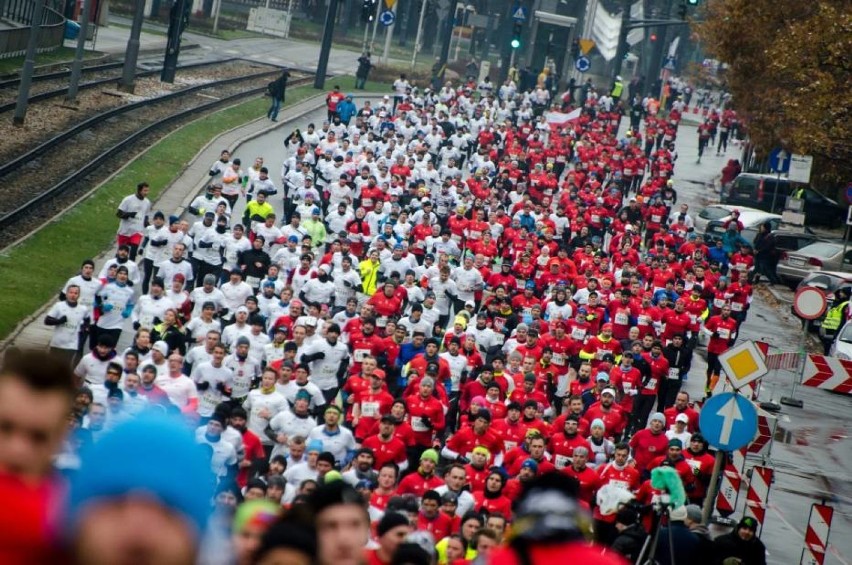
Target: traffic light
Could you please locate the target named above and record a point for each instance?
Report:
(517, 29)
(653, 37)
(681, 11)
(368, 10)
(692, 2)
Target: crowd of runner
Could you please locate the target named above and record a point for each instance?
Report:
(441, 300)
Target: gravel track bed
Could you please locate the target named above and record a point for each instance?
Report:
(11, 94)
(47, 118)
(43, 173)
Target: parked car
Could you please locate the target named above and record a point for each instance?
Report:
(758, 191)
(751, 220)
(842, 346)
(786, 240)
(719, 212)
(828, 282)
(819, 256)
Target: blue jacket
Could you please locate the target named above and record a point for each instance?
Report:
(719, 255)
(346, 109)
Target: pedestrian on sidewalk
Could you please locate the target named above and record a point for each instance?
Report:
(364, 66)
(277, 90)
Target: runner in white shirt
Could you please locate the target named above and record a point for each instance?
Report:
(245, 369)
(67, 318)
(181, 389)
(133, 212)
(263, 404)
(213, 381)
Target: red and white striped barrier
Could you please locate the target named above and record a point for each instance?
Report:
(816, 536)
(766, 425)
(788, 360)
(828, 373)
(729, 487)
(757, 496)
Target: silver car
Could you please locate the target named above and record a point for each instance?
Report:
(820, 256)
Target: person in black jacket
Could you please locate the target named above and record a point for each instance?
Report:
(742, 544)
(765, 255)
(631, 535)
(706, 554)
(679, 357)
(277, 90)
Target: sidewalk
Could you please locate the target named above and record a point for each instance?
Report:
(32, 333)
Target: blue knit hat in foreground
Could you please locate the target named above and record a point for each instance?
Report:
(152, 455)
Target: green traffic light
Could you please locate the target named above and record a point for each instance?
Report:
(516, 43)
(692, 2)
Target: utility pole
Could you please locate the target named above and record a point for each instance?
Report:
(325, 50)
(622, 39)
(419, 34)
(29, 64)
(128, 74)
(178, 21)
(447, 37)
(77, 68)
(389, 35)
(656, 61)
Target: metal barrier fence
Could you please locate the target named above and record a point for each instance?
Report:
(13, 41)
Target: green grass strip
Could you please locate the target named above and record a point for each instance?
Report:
(34, 271)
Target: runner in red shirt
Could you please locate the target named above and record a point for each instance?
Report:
(649, 442)
(424, 478)
(386, 447)
(431, 519)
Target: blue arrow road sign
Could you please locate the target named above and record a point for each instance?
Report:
(387, 18)
(582, 64)
(779, 161)
(519, 13)
(728, 421)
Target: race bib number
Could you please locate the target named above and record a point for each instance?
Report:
(561, 461)
(509, 445)
(652, 384)
(718, 302)
(627, 387)
(741, 267)
(599, 354)
(360, 355)
(558, 359)
(595, 219)
(209, 399)
(693, 318)
(644, 320)
(417, 424)
(621, 319)
(382, 321)
(674, 373)
(146, 321)
(253, 281)
(578, 333)
(370, 409)
(724, 333)
(656, 218)
(736, 306)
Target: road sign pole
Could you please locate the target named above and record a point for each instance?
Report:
(792, 400)
(388, 37)
(782, 156)
(713, 491)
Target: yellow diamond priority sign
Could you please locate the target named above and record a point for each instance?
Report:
(586, 45)
(743, 363)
